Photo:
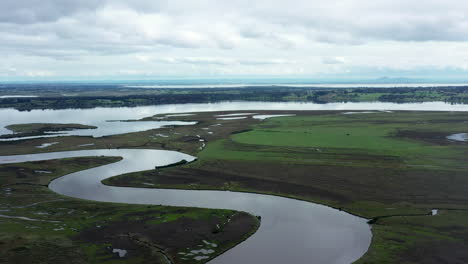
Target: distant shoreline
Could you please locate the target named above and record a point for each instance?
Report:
(305, 85)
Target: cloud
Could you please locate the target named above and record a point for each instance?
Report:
(39, 73)
(8, 71)
(333, 60)
(221, 61)
(127, 25)
(39, 11)
(69, 35)
(11, 72)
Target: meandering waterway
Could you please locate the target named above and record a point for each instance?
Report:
(291, 231)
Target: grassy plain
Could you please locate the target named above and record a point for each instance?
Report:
(392, 167)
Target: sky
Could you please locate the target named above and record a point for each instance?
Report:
(146, 39)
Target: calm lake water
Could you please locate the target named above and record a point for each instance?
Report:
(102, 117)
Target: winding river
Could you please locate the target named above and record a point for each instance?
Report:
(292, 231)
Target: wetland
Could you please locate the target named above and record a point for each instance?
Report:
(390, 167)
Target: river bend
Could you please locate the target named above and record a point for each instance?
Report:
(291, 231)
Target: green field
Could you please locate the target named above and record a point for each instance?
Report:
(357, 134)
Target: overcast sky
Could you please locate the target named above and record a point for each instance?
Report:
(131, 39)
